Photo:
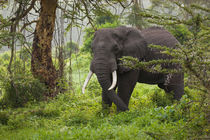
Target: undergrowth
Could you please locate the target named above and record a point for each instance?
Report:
(73, 116)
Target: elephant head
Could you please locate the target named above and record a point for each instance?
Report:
(108, 46)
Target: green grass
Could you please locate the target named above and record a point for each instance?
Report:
(72, 116)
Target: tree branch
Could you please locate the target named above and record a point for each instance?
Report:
(26, 24)
(25, 12)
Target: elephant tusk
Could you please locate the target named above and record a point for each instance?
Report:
(86, 81)
(114, 82)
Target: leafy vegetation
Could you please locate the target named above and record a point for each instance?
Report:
(25, 89)
(26, 112)
(71, 116)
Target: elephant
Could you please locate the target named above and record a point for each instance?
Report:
(111, 44)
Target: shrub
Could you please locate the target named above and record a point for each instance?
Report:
(94, 88)
(17, 121)
(160, 98)
(4, 117)
(21, 89)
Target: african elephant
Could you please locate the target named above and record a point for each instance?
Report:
(110, 44)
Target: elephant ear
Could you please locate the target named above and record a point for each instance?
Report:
(118, 35)
(134, 45)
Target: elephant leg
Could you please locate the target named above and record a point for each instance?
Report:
(161, 85)
(178, 90)
(176, 85)
(126, 84)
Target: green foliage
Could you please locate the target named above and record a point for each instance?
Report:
(5, 57)
(25, 54)
(48, 111)
(88, 40)
(70, 48)
(160, 98)
(181, 32)
(105, 17)
(5, 35)
(25, 88)
(153, 66)
(93, 88)
(134, 18)
(18, 121)
(21, 87)
(4, 117)
(80, 117)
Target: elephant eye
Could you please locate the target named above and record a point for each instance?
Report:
(115, 49)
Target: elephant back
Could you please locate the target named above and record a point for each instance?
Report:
(158, 36)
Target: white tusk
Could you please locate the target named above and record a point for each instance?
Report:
(86, 81)
(114, 82)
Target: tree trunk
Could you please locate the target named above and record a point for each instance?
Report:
(62, 77)
(41, 62)
(61, 56)
(136, 16)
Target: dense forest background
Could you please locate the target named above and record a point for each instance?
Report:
(45, 54)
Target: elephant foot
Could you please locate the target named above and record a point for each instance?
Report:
(105, 112)
(122, 110)
(176, 90)
(117, 101)
(106, 106)
(178, 97)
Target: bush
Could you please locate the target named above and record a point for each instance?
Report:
(17, 121)
(94, 88)
(21, 89)
(160, 98)
(4, 117)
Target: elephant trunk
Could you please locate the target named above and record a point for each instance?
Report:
(101, 70)
(104, 78)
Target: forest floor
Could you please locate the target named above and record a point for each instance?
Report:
(152, 115)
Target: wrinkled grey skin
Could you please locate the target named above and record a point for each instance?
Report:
(111, 44)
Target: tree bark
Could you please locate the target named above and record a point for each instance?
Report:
(62, 43)
(41, 63)
(61, 54)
